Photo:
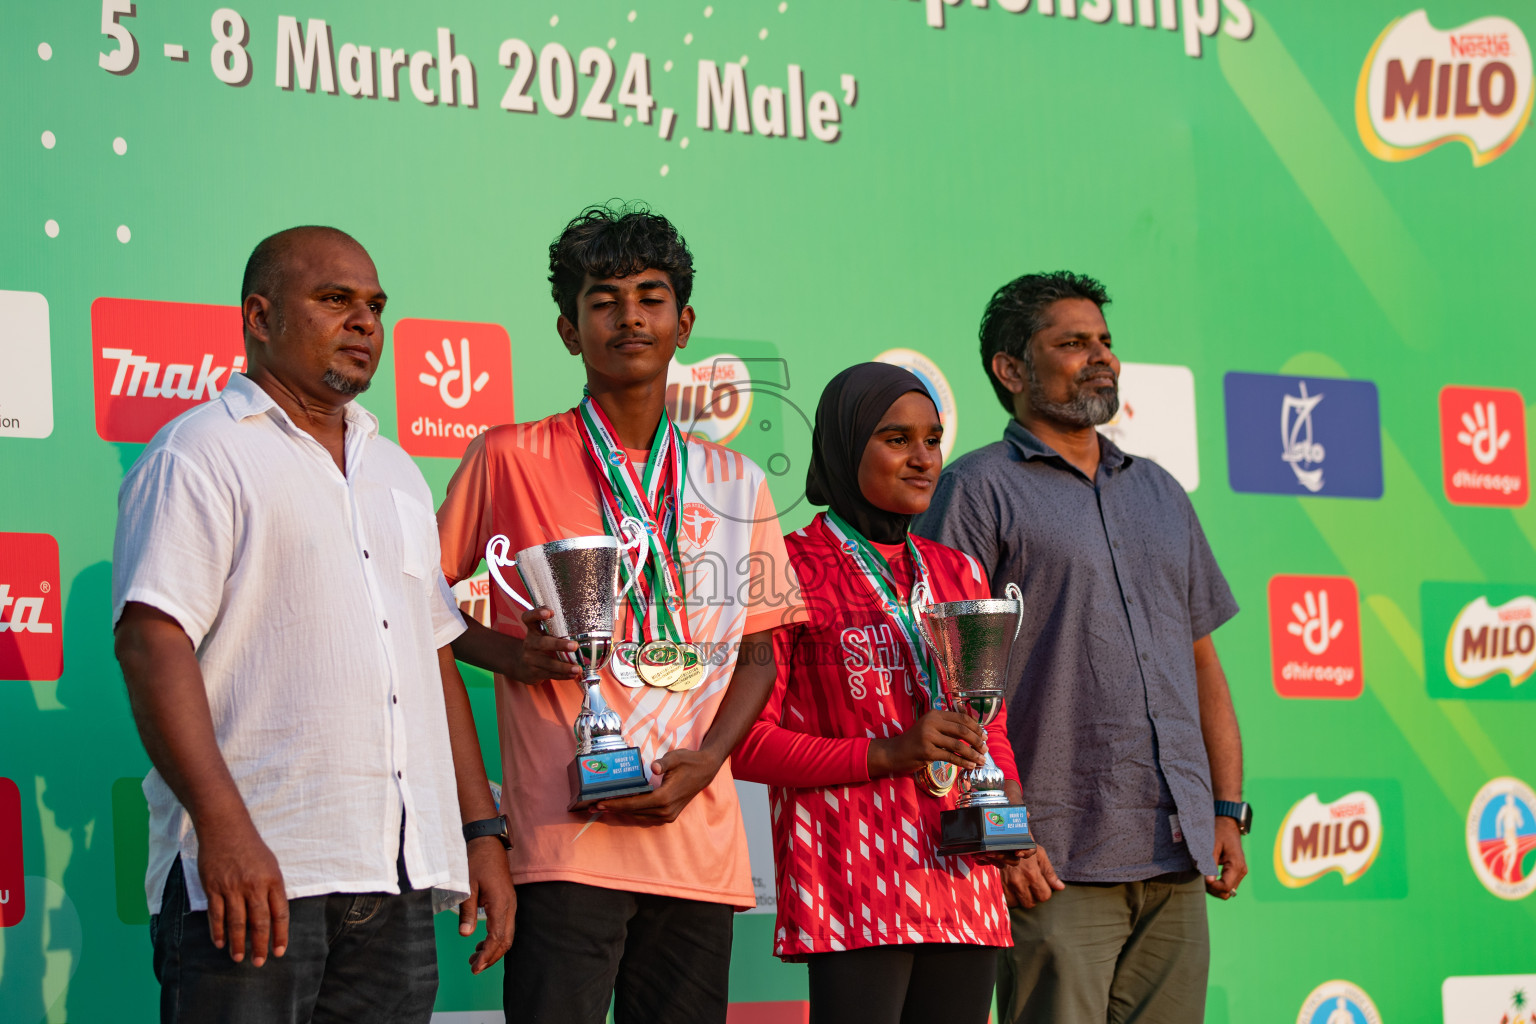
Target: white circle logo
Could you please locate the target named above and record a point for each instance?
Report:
(927, 371)
(1501, 835)
(1338, 1002)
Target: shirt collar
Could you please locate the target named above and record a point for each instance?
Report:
(245, 398)
(1030, 447)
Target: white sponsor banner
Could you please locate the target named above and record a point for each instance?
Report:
(1489, 999)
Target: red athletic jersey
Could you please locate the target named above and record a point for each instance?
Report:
(856, 860)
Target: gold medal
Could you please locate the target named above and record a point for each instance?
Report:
(659, 663)
(623, 664)
(693, 669)
(938, 778)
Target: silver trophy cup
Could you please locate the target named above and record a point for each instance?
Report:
(577, 579)
(970, 642)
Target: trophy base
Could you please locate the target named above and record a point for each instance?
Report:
(605, 776)
(984, 830)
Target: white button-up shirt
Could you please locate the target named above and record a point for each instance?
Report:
(316, 604)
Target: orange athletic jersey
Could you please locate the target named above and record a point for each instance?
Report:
(535, 483)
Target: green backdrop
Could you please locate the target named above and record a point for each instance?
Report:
(1243, 213)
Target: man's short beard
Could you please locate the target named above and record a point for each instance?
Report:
(345, 385)
(1088, 407)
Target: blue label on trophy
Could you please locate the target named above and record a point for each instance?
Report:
(1006, 821)
(613, 767)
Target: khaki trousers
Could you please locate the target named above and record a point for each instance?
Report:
(1109, 954)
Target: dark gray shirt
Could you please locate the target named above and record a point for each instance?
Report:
(1118, 583)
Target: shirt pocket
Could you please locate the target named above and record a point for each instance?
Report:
(418, 535)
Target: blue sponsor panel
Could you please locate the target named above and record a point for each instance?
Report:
(1303, 435)
(1006, 821)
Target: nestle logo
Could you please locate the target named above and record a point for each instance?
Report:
(155, 360)
(1480, 44)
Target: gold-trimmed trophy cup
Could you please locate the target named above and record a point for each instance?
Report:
(970, 642)
(577, 579)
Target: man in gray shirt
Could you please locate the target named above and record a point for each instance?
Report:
(1120, 720)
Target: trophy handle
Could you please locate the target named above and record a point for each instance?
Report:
(496, 559)
(1015, 594)
(632, 535)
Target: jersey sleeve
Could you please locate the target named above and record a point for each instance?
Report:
(464, 519)
(778, 756)
(175, 542)
(773, 589)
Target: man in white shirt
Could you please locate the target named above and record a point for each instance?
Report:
(283, 628)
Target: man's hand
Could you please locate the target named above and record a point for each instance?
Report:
(683, 774)
(490, 886)
(539, 660)
(1229, 854)
(937, 736)
(1027, 882)
(245, 892)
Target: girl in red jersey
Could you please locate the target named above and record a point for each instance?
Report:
(858, 764)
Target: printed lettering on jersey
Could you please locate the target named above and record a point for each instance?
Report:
(1303, 436)
(1314, 637)
(26, 386)
(13, 886)
(874, 659)
(1331, 839)
(1421, 87)
(155, 360)
(1489, 999)
(1482, 446)
(1479, 640)
(1156, 419)
(453, 381)
(1338, 1002)
(1501, 838)
(31, 614)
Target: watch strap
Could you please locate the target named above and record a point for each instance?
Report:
(1239, 811)
(496, 826)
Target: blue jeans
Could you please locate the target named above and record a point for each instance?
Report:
(352, 957)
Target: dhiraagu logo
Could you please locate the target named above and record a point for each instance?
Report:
(1479, 640)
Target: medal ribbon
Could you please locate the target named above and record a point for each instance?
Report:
(655, 498)
(872, 565)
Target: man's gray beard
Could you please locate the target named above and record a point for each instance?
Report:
(1090, 407)
(345, 385)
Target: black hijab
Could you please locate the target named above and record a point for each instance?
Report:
(851, 407)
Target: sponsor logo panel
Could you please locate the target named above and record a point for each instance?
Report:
(155, 360)
(31, 619)
(1489, 999)
(927, 371)
(1482, 446)
(453, 381)
(1332, 839)
(710, 399)
(1421, 87)
(1314, 637)
(1156, 419)
(1338, 1002)
(1303, 436)
(26, 387)
(13, 887)
(1479, 640)
(1501, 838)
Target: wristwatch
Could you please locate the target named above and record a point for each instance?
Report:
(496, 826)
(1240, 812)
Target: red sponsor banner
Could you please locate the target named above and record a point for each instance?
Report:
(13, 886)
(156, 360)
(1482, 446)
(31, 622)
(1314, 637)
(453, 380)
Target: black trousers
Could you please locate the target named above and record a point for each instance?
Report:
(923, 983)
(658, 959)
(352, 957)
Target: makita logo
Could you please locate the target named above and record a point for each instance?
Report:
(155, 360)
(176, 380)
(31, 637)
